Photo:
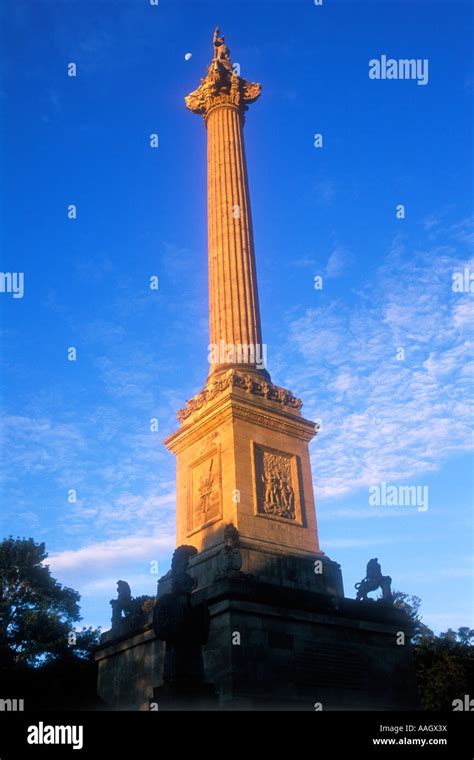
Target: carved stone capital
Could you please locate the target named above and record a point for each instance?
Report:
(222, 87)
(246, 382)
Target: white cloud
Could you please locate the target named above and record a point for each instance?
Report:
(463, 314)
(384, 418)
(338, 262)
(103, 555)
(33, 445)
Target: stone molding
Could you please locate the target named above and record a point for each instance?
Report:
(231, 407)
(246, 382)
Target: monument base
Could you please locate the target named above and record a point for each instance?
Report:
(184, 696)
(272, 647)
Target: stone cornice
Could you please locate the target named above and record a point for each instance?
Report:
(234, 405)
(252, 385)
(299, 428)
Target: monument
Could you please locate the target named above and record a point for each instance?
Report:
(242, 449)
(281, 634)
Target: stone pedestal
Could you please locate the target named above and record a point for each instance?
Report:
(242, 456)
(275, 648)
(130, 665)
(185, 696)
(272, 647)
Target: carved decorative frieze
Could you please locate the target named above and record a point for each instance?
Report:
(246, 382)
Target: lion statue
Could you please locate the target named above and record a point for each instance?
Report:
(374, 580)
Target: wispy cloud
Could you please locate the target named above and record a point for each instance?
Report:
(140, 559)
(106, 554)
(391, 372)
(32, 445)
(338, 262)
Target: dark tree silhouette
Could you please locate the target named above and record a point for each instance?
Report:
(37, 614)
(444, 664)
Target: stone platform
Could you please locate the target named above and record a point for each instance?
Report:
(297, 648)
(274, 646)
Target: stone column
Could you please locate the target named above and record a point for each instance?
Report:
(234, 314)
(242, 448)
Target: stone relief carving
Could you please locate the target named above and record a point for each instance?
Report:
(205, 491)
(206, 485)
(229, 561)
(278, 493)
(246, 382)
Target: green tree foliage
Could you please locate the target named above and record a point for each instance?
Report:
(411, 605)
(445, 667)
(444, 664)
(37, 614)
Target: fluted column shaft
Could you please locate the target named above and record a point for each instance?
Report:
(233, 298)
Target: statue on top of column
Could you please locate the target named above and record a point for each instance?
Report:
(221, 51)
(222, 86)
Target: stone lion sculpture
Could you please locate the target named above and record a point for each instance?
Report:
(374, 580)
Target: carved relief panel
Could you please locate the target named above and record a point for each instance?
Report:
(204, 491)
(277, 484)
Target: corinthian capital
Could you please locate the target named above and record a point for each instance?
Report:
(222, 86)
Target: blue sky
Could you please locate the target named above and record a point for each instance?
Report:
(84, 425)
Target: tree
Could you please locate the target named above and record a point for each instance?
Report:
(445, 667)
(444, 664)
(37, 614)
(411, 604)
